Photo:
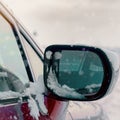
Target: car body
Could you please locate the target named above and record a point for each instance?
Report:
(24, 59)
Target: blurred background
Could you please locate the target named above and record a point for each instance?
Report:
(88, 22)
(80, 21)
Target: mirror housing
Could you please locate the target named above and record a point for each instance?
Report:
(77, 72)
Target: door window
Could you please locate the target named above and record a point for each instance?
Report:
(13, 73)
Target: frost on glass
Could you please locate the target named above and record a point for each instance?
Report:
(64, 90)
(91, 87)
(48, 55)
(57, 55)
(9, 94)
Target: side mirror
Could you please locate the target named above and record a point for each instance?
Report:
(77, 72)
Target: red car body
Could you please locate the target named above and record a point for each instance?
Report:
(21, 111)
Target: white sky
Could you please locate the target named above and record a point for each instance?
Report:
(94, 22)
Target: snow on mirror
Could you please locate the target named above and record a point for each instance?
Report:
(73, 74)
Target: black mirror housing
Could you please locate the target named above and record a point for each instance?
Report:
(77, 72)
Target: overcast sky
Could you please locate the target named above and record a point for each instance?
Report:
(94, 22)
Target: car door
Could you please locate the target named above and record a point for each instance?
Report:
(20, 64)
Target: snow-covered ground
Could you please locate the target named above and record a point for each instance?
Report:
(93, 22)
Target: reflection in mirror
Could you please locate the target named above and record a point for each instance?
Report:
(74, 70)
(81, 70)
(62, 90)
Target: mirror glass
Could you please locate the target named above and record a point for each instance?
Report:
(77, 71)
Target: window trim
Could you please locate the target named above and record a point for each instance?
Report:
(33, 45)
(30, 40)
